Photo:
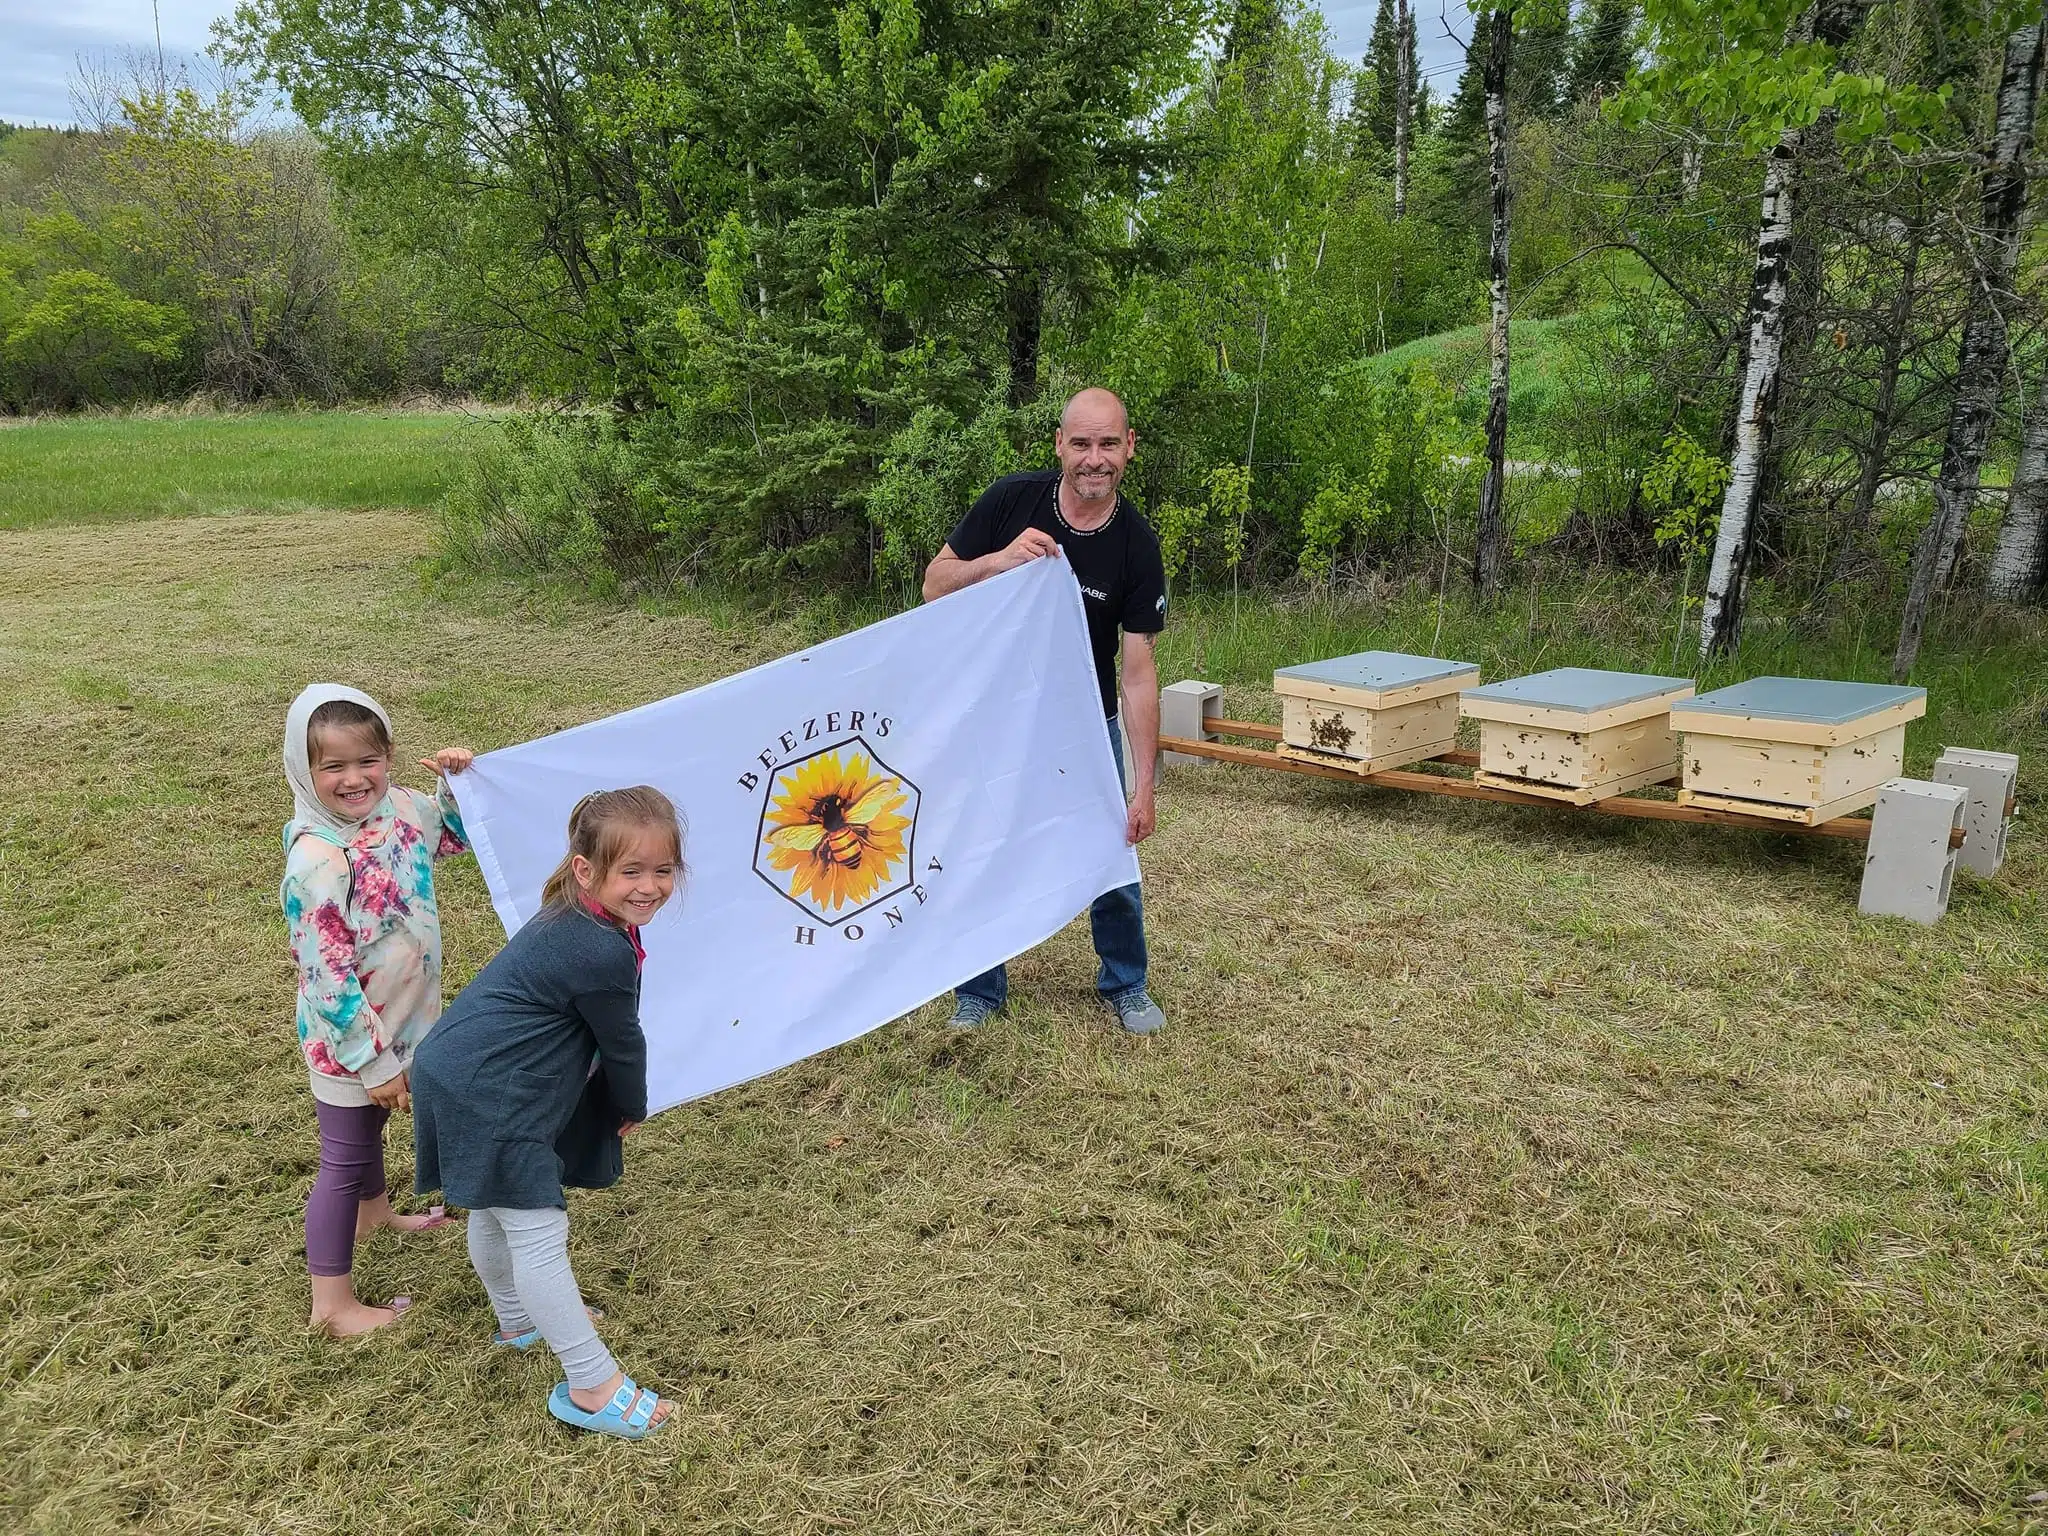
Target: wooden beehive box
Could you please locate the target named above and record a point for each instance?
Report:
(1378, 709)
(1576, 734)
(1801, 749)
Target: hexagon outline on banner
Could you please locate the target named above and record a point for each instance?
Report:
(783, 778)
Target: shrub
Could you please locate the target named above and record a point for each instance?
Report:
(563, 495)
(85, 342)
(936, 466)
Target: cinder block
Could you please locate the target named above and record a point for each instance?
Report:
(1909, 866)
(1992, 781)
(1184, 710)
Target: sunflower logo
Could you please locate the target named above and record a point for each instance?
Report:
(835, 831)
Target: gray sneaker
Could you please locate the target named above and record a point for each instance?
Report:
(969, 1012)
(1138, 1014)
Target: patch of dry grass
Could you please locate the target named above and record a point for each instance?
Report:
(1498, 1170)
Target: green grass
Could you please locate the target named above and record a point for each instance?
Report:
(1532, 343)
(1500, 1170)
(103, 468)
(1459, 358)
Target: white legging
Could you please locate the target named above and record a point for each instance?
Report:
(522, 1257)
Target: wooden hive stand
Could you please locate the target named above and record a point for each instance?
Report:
(1372, 711)
(1576, 734)
(1799, 749)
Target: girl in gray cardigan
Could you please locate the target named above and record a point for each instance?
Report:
(533, 1075)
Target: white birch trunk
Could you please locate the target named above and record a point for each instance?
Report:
(1490, 556)
(1721, 607)
(2020, 563)
(1980, 366)
(1691, 162)
(1403, 97)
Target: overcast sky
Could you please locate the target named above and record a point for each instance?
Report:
(39, 43)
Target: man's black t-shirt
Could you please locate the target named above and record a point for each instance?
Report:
(1123, 579)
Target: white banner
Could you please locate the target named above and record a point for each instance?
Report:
(870, 823)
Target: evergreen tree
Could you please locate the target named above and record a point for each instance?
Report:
(1373, 96)
(1253, 24)
(770, 231)
(1372, 101)
(1542, 36)
(1604, 48)
(1463, 125)
(1542, 59)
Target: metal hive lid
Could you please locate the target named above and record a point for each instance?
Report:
(1814, 700)
(1381, 671)
(1582, 690)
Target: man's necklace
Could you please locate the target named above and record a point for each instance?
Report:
(1060, 512)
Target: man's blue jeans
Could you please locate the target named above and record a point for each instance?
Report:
(1117, 921)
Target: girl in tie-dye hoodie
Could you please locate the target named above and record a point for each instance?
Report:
(358, 896)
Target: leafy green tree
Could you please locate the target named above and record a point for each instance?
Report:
(1413, 462)
(1775, 69)
(239, 227)
(82, 341)
(1276, 276)
(774, 229)
(184, 198)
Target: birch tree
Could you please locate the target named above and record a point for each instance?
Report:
(2019, 565)
(1980, 365)
(1404, 102)
(1490, 560)
(1828, 24)
(1773, 68)
(1383, 110)
(1721, 607)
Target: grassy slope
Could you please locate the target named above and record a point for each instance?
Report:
(89, 469)
(1501, 1170)
(1459, 358)
(1532, 341)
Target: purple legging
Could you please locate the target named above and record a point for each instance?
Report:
(351, 1171)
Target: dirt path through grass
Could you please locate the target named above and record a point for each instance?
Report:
(1497, 1172)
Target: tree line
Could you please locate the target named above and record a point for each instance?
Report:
(174, 246)
(1734, 290)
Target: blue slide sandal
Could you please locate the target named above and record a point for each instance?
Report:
(629, 1415)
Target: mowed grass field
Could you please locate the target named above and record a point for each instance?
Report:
(107, 468)
(1499, 1170)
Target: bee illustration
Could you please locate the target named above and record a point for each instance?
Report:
(838, 832)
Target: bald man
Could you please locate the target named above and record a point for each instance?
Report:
(1079, 509)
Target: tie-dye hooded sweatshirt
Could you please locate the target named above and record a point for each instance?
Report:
(366, 934)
